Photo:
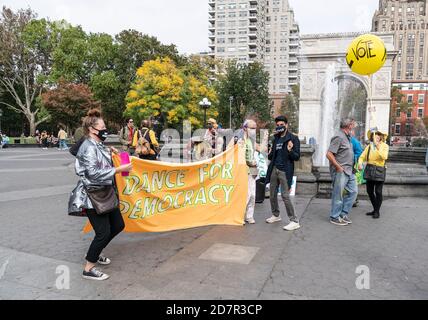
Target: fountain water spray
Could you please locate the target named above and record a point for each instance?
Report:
(329, 116)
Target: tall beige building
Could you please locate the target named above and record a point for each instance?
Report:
(408, 20)
(282, 45)
(257, 30)
(237, 29)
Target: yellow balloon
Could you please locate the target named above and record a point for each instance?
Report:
(366, 54)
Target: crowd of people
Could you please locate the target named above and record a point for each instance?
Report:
(95, 196)
(48, 140)
(140, 141)
(346, 159)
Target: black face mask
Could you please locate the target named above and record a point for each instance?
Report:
(102, 134)
(210, 126)
(280, 129)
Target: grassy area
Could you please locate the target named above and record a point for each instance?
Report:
(29, 140)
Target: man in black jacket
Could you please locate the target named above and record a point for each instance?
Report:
(284, 152)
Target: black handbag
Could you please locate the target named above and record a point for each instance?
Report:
(103, 198)
(374, 173)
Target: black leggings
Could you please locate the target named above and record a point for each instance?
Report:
(106, 227)
(374, 190)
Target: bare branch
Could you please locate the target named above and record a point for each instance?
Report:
(10, 88)
(46, 118)
(11, 107)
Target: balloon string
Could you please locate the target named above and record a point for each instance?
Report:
(370, 100)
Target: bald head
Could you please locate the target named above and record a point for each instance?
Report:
(146, 124)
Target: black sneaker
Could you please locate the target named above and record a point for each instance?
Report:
(95, 274)
(338, 222)
(376, 215)
(104, 260)
(370, 213)
(356, 203)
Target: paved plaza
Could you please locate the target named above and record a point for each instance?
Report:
(38, 241)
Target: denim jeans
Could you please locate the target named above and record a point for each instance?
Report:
(342, 204)
(62, 144)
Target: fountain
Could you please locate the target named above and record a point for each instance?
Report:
(328, 116)
(329, 92)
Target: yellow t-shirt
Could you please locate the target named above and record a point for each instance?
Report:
(62, 135)
(377, 157)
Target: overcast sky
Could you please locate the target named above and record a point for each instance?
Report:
(185, 22)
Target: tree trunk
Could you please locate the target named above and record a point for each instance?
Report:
(32, 121)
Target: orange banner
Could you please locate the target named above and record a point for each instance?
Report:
(159, 197)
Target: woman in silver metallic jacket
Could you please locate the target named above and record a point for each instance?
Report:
(94, 167)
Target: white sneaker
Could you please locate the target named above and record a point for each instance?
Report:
(250, 221)
(273, 219)
(292, 226)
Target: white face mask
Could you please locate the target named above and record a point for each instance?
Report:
(252, 134)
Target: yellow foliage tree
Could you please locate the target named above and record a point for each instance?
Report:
(170, 94)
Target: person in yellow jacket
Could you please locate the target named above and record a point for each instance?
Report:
(145, 143)
(375, 156)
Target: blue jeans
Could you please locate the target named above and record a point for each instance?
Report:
(342, 204)
(62, 144)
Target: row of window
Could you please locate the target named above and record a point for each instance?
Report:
(233, 40)
(275, 18)
(411, 25)
(412, 86)
(242, 5)
(222, 15)
(282, 34)
(420, 113)
(397, 129)
(411, 9)
(421, 98)
(241, 23)
(280, 58)
(281, 66)
(233, 49)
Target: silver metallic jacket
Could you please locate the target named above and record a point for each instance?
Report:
(94, 167)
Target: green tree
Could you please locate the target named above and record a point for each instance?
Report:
(69, 102)
(290, 108)
(170, 93)
(107, 64)
(248, 85)
(25, 61)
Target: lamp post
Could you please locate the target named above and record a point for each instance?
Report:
(205, 104)
(230, 111)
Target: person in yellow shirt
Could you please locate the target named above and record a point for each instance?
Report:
(145, 139)
(62, 135)
(375, 156)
